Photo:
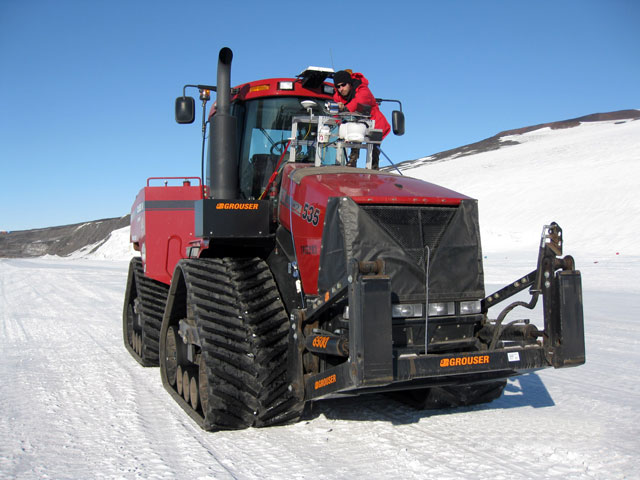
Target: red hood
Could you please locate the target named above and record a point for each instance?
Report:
(366, 186)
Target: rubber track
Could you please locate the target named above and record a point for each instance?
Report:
(243, 328)
(152, 300)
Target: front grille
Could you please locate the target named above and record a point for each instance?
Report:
(414, 227)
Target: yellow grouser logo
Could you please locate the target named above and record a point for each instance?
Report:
(460, 361)
(237, 206)
(325, 381)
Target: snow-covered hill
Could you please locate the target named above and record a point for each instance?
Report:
(74, 404)
(116, 246)
(585, 178)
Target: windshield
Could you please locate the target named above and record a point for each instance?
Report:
(265, 134)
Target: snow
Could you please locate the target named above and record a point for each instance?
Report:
(116, 247)
(75, 405)
(585, 178)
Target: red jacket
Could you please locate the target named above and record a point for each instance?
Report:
(364, 96)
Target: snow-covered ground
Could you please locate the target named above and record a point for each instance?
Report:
(74, 404)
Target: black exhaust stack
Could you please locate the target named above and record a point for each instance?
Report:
(223, 161)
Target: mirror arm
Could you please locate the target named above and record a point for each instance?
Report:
(380, 100)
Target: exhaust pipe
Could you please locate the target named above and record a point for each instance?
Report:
(222, 171)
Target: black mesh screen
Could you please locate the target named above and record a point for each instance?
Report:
(414, 227)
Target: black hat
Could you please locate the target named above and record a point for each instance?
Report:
(342, 76)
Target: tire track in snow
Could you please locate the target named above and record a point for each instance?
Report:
(450, 455)
(77, 379)
(158, 418)
(12, 327)
(155, 442)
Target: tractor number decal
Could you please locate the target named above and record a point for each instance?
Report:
(309, 249)
(461, 361)
(320, 342)
(325, 381)
(311, 214)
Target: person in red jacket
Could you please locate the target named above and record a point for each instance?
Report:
(351, 90)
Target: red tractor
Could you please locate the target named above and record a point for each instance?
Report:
(287, 277)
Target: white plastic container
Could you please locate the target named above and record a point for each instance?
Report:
(352, 132)
(324, 134)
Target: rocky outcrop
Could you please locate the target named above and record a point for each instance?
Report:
(60, 241)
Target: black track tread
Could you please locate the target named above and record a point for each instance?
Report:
(153, 298)
(243, 328)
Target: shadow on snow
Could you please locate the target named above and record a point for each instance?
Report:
(523, 391)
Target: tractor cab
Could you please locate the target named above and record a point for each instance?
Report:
(265, 134)
(297, 130)
(285, 120)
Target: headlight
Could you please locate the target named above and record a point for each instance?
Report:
(287, 85)
(467, 308)
(406, 310)
(444, 308)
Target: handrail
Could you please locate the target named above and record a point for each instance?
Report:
(184, 179)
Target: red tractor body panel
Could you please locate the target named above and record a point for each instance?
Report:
(305, 192)
(162, 225)
(276, 87)
(273, 87)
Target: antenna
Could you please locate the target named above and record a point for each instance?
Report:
(331, 55)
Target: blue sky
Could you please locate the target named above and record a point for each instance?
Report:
(87, 87)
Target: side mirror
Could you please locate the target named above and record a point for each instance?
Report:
(185, 109)
(397, 118)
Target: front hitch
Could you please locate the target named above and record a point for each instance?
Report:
(556, 279)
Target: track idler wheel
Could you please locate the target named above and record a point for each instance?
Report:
(171, 355)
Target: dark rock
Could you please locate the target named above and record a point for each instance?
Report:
(60, 241)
